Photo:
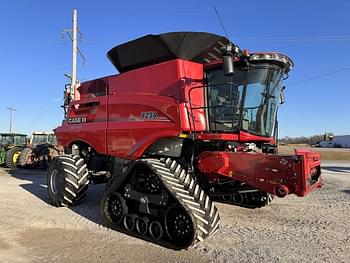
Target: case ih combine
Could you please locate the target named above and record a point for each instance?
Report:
(189, 119)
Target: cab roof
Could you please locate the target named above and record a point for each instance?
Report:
(12, 134)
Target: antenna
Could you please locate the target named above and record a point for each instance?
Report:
(222, 24)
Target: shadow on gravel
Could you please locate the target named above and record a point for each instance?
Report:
(37, 186)
(346, 191)
(339, 169)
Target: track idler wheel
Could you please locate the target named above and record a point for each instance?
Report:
(179, 226)
(156, 230)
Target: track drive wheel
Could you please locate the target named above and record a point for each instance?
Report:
(67, 180)
(12, 157)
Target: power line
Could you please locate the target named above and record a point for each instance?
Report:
(299, 38)
(222, 24)
(318, 76)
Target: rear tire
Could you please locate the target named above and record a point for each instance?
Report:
(24, 157)
(67, 180)
(12, 157)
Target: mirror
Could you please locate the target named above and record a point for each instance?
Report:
(228, 65)
(227, 60)
(282, 98)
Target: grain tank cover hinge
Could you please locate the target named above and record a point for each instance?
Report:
(152, 49)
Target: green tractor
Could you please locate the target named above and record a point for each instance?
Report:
(11, 146)
(42, 148)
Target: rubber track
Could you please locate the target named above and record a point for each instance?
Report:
(246, 202)
(184, 188)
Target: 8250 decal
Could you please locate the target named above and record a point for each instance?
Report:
(149, 115)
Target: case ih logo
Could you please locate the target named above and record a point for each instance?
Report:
(149, 115)
(76, 120)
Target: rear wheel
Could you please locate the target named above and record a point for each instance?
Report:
(12, 157)
(25, 157)
(67, 180)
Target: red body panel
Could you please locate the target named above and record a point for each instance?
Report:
(115, 108)
(276, 174)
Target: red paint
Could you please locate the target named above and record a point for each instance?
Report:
(265, 172)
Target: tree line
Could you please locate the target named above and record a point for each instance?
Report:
(311, 140)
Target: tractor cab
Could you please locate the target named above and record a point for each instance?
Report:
(12, 139)
(39, 138)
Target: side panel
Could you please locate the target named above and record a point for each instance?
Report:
(143, 107)
(135, 122)
(87, 117)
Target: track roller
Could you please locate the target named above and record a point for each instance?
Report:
(142, 225)
(129, 221)
(156, 230)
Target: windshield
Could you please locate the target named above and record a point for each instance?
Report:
(20, 140)
(261, 100)
(52, 139)
(247, 101)
(6, 140)
(39, 139)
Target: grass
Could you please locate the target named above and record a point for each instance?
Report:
(326, 154)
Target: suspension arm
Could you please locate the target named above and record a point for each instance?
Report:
(280, 175)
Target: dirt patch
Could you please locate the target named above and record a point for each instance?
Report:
(311, 229)
(69, 245)
(4, 245)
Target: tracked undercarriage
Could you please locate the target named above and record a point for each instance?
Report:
(162, 203)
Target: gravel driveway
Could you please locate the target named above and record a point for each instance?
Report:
(311, 229)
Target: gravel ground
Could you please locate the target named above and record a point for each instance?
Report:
(311, 229)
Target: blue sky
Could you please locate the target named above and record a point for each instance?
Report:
(314, 33)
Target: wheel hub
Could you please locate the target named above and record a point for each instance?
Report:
(179, 226)
(116, 207)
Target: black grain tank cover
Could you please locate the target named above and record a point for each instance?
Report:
(152, 49)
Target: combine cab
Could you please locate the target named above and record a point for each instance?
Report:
(189, 119)
(11, 145)
(40, 151)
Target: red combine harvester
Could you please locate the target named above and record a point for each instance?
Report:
(189, 119)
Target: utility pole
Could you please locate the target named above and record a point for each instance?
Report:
(11, 109)
(75, 49)
(73, 35)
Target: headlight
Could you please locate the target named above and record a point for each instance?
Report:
(277, 57)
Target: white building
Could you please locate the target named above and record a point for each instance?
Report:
(342, 141)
